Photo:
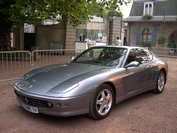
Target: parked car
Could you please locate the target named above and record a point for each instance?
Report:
(93, 82)
(98, 40)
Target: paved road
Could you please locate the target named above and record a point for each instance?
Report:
(146, 113)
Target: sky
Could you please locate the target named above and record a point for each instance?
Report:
(126, 10)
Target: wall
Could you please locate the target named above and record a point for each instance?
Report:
(70, 37)
(50, 36)
(16, 39)
(168, 30)
(117, 24)
(114, 30)
(59, 33)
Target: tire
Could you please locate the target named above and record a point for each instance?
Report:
(102, 102)
(160, 83)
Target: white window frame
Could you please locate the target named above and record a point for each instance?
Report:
(148, 9)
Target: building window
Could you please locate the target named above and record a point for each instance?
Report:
(148, 8)
(29, 28)
(146, 36)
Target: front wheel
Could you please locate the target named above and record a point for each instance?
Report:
(160, 83)
(102, 102)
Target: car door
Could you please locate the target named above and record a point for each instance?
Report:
(137, 78)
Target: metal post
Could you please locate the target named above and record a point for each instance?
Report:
(110, 32)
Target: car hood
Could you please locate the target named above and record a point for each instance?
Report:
(57, 78)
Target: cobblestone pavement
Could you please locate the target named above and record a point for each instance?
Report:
(146, 113)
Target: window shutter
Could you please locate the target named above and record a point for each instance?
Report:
(138, 36)
(153, 40)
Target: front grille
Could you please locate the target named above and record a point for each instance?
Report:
(32, 102)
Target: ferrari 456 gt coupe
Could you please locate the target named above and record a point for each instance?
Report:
(93, 82)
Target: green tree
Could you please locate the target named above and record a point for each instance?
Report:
(5, 25)
(74, 12)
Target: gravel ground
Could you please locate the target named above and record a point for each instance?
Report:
(145, 113)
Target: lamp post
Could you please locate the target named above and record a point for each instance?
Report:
(164, 19)
(164, 14)
(111, 16)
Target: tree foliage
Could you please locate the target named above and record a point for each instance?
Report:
(5, 24)
(74, 12)
(15, 13)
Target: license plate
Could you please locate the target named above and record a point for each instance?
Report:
(30, 109)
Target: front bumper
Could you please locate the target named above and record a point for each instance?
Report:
(69, 106)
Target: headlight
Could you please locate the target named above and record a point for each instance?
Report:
(64, 87)
(70, 88)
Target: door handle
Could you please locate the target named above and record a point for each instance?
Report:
(150, 66)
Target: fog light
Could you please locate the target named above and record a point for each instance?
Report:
(49, 104)
(62, 104)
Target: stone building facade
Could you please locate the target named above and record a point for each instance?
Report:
(151, 19)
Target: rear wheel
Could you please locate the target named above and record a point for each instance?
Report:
(102, 102)
(160, 83)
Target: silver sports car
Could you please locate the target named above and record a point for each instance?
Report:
(93, 82)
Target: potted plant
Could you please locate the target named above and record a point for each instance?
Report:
(172, 47)
(146, 44)
(146, 16)
(161, 40)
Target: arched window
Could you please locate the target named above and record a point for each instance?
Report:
(148, 8)
(146, 36)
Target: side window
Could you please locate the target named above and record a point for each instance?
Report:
(140, 55)
(131, 56)
(150, 57)
(143, 56)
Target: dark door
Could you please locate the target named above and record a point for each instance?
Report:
(29, 41)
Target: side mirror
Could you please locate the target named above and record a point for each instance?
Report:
(133, 64)
(72, 58)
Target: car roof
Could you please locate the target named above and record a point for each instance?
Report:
(113, 46)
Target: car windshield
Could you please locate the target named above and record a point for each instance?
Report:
(104, 56)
